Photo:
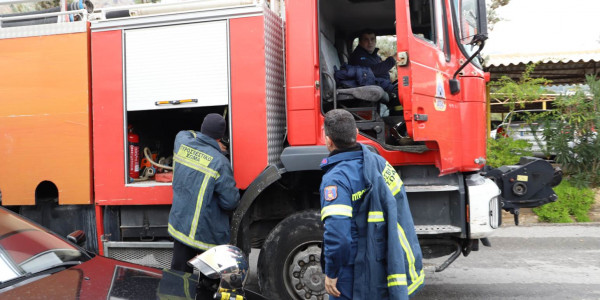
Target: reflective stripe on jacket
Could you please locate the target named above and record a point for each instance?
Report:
(203, 192)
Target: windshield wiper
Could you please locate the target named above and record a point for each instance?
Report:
(50, 270)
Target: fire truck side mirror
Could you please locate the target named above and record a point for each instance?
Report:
(454, 86)
(77, 237)
(482, 29)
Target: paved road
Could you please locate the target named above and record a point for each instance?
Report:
(525, 262)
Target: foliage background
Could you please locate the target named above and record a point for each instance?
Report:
(570, 131)
(575, 139)
(573, 204)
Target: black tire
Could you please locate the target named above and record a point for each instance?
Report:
(289, 264)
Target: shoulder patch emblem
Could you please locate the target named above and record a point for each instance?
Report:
(330, 192)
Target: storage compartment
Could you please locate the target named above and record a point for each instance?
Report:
(173, 79)
(163, 73)
(156, 130)
(177, 63)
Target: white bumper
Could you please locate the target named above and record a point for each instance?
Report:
(484, 209)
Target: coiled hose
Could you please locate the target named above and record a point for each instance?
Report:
(148, 156)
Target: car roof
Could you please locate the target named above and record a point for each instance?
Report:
(532, 110)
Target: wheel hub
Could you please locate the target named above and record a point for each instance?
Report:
(306, 277)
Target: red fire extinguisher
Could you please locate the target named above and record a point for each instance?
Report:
(133, 141)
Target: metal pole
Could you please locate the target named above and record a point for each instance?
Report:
(489, 110)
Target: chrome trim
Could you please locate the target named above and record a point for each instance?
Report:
(494, 213)
(176, 18)
(436, 229)
(430, 188)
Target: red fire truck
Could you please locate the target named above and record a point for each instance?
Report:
(83, 93)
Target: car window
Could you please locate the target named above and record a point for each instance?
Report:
(526, 115)
(27, 248)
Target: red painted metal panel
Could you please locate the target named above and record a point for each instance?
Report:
(109, 128)
(398, 158)
(248, 99)
(301, 72)
(302, 123)
(404, 72)
(100, 228)
(474, 111)
(452, 127)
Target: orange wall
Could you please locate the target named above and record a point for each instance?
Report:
(45, 117)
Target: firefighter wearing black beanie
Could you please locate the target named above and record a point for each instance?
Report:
(213, 126)
(204, 192)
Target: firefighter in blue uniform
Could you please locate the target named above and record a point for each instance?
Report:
(365, 54)
(370, 246)
(204, 192)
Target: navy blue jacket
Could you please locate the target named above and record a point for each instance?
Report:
(351, 76)
(340, 185)
(388, 248)
(203, 192)
(368, 225)
(361, 57)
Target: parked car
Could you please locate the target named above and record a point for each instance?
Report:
(526, 125)
(494, 125)
(37, 264)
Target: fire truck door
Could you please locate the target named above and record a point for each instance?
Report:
(422, 29)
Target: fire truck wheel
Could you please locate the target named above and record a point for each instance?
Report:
(289, 265)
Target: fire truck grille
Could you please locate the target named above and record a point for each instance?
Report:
(151, 254)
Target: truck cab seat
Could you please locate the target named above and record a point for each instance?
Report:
(356, 100)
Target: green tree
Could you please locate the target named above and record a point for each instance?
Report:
(492, 13)
(506, 151)
(34, 6)
(518, 93)
(575, 138)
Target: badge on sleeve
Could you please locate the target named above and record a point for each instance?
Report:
(330, 192)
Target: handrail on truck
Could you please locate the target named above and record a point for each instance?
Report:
(64, 11)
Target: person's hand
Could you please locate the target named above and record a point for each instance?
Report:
(222, 146)
(330, 286)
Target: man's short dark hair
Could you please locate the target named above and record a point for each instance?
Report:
(340, 127)
(366, 31)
